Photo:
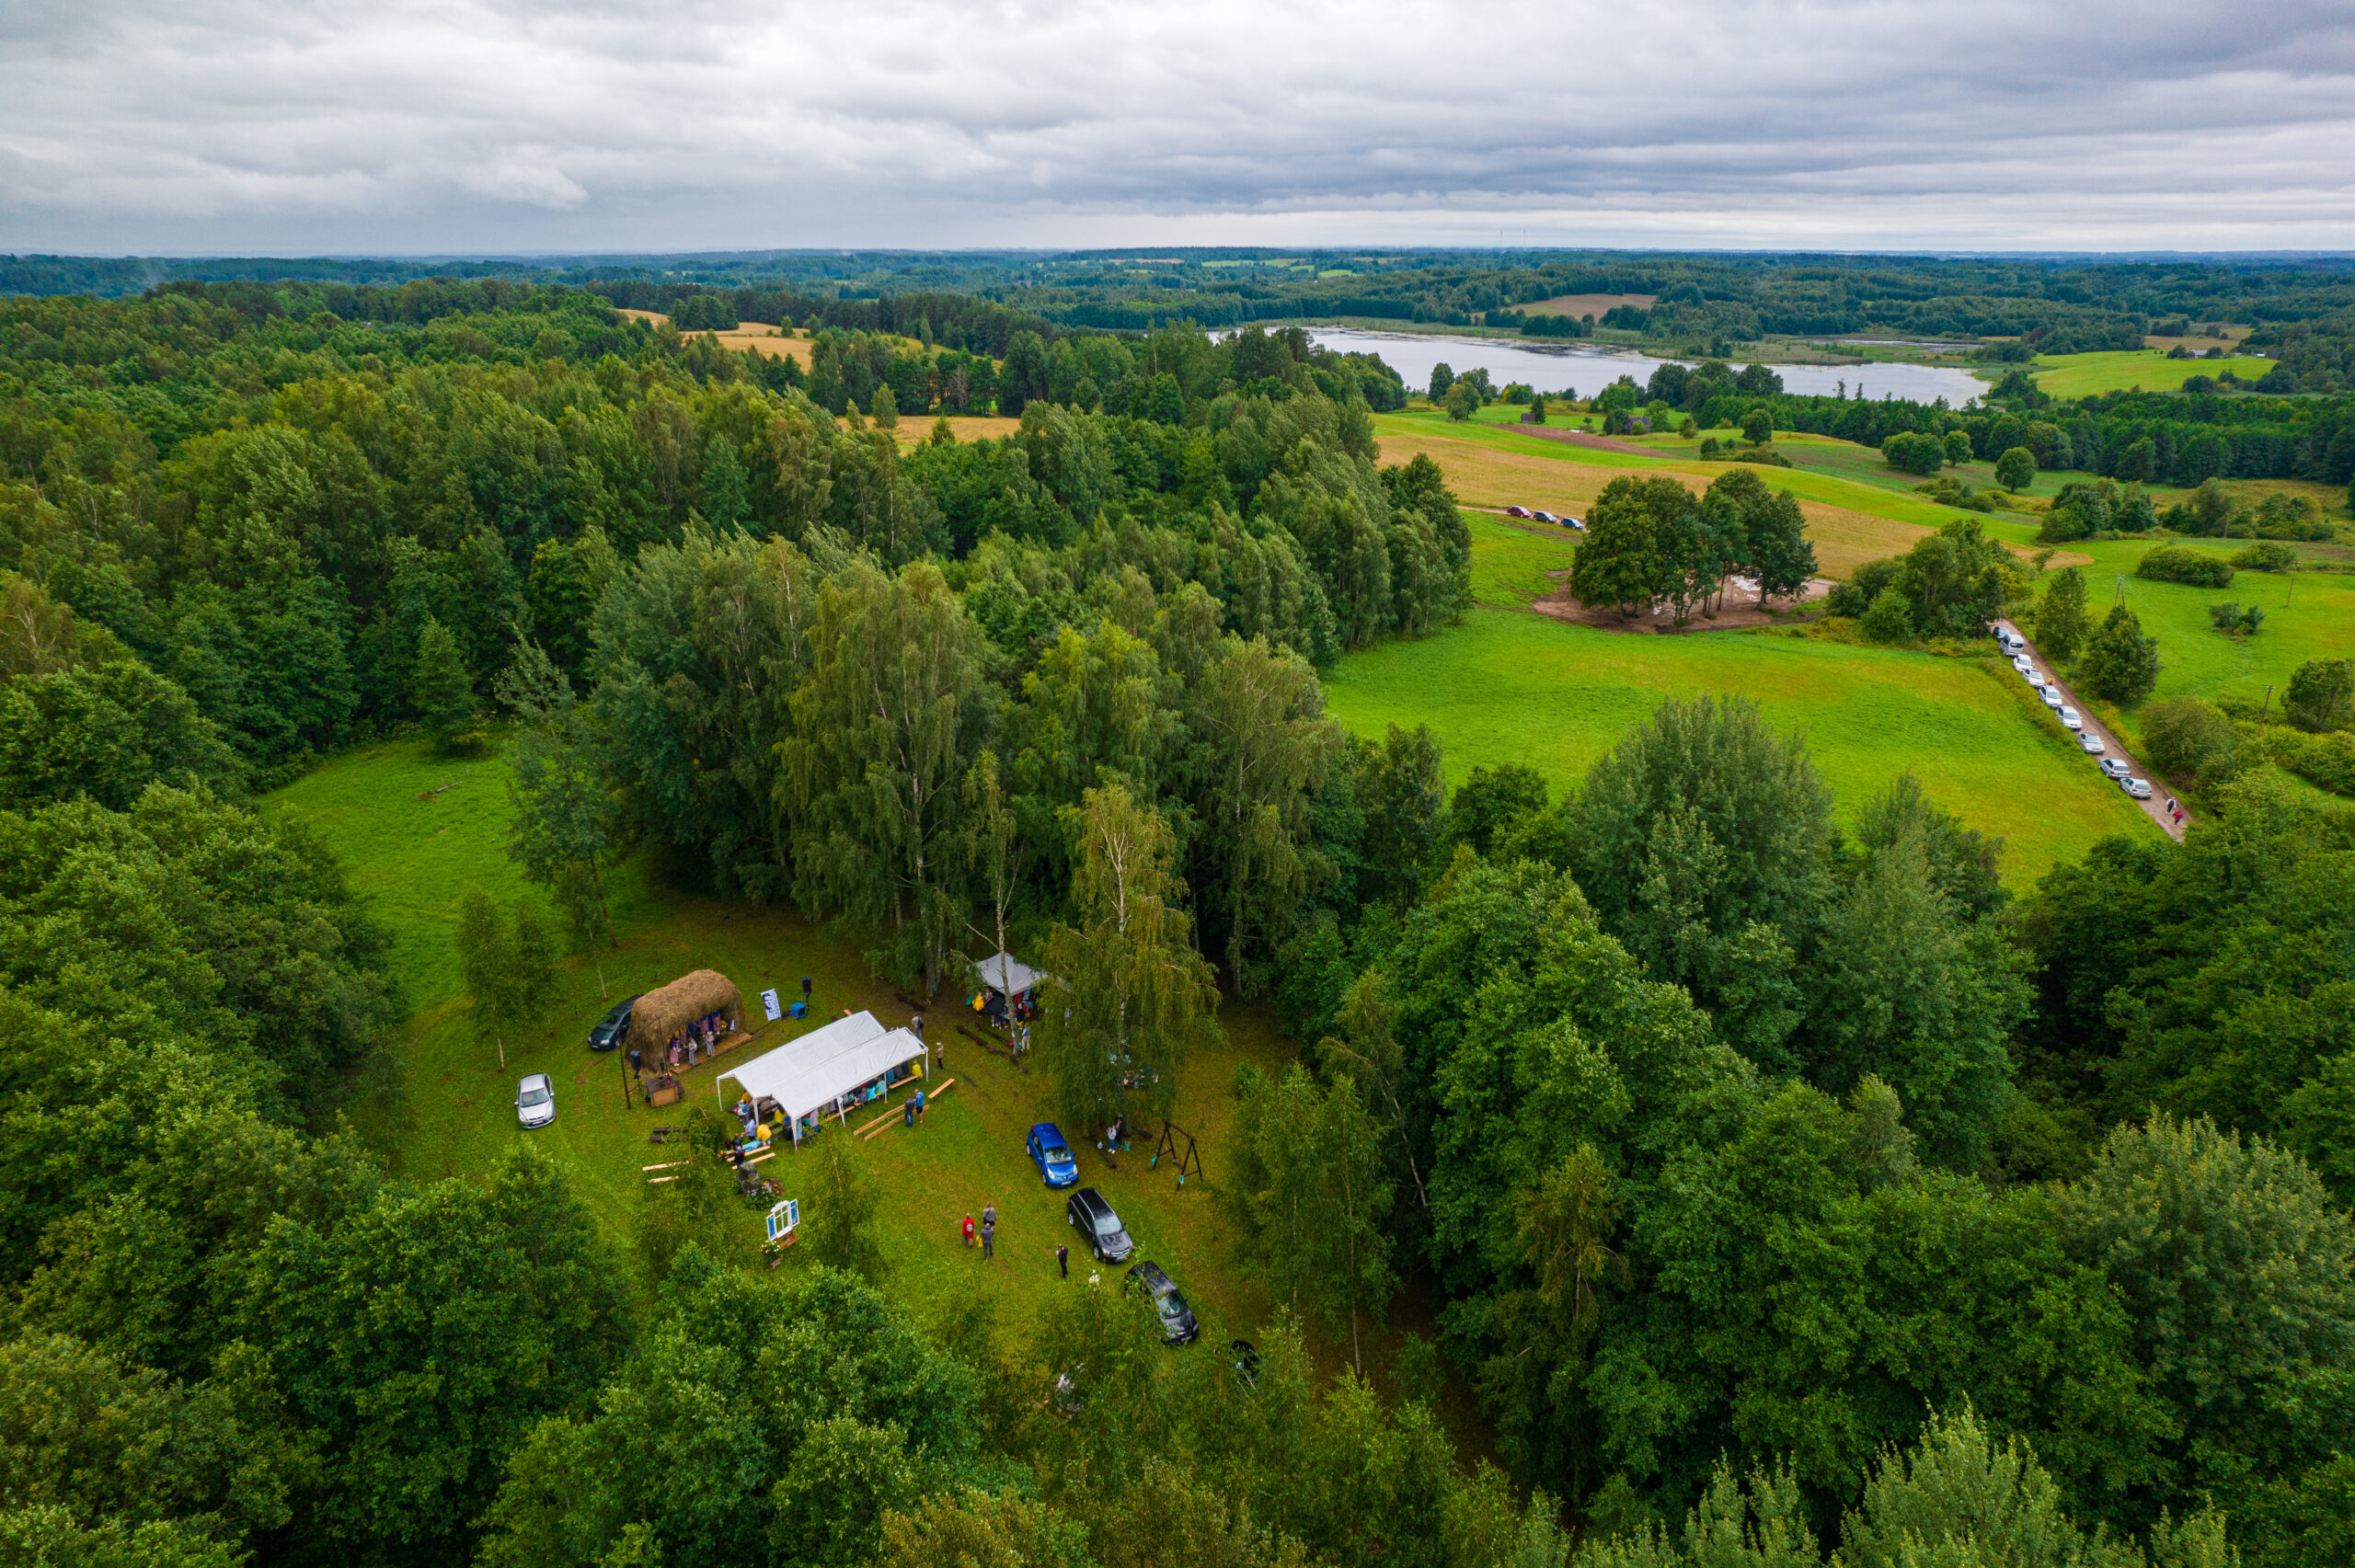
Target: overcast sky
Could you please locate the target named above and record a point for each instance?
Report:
(475, 126)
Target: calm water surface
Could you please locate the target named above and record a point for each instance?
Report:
(1586, 369)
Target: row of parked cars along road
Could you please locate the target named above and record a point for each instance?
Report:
(2114, 768)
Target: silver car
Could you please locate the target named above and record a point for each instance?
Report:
(2115, 768)
(535, 1100)
(2053, 698)
(2069, 719)
(2090, 742)
(2139, 788)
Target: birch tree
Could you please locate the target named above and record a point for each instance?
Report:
(1129, 996)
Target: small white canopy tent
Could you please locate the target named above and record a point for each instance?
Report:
(1004, 972)
(817, 1071)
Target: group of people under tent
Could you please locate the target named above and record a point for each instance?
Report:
(763, 1122)
(699, 1039)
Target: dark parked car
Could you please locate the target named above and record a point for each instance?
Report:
(1052, 1154)
(611, 1027)
(1178, 1324)
(1090, 1213)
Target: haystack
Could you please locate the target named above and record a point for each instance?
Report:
(662, 1014)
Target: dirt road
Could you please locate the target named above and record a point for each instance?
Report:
(2156, 807)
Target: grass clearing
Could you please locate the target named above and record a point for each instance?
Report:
(440, 1103)
(2084, 375)
(1511, 560)
(1586, 304)
(1518, 688)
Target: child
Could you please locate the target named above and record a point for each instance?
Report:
(969, 1230)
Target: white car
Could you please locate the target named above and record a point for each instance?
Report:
(2114, 768)
(535, 1100)
(2139, 788)
(2030, 674)
(2069, 720)
(2020, 663)
(2092, 743)
(2052, 697)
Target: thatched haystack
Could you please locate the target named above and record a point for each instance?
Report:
(662, 1014)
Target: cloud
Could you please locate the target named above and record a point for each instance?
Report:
(427, 125)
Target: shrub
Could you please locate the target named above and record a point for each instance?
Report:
(2322, 695)
(2184, 735)
(2174, 563)
(2234, 620)
(1889, 619)
(2265, 556)
(1914, 453)
(2120, 665)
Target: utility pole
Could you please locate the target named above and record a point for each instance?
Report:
(2268, 704)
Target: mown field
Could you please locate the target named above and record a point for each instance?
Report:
(1510, 687)
(2084, 375)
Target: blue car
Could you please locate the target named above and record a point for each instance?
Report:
(1047, 1146)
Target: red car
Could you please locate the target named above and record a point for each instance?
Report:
(1516, 512)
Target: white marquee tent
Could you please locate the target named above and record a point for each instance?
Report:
(1004, 972)
(816, 1072)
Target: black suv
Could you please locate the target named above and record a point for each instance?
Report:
(1090, 1213)
(1177, 1325)
(611, 1027)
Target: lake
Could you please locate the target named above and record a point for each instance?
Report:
(1586, 368)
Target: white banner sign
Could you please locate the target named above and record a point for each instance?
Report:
(768, 1001)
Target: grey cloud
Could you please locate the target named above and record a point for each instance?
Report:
(453, 124)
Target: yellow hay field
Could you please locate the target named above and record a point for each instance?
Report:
(754, 337)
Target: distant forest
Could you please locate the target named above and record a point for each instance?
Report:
(2303, 308)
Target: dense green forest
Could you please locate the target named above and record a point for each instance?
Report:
(1787, 1195)
(2303, 308)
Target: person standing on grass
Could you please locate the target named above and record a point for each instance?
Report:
(989, 1240)
(1062, 1261)
(969, 1230)
(989, 1213)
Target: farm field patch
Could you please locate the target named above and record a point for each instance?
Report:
(1515, 688)
(1498, 467)
(1585, 304)
(757, 337)
(2082, 375)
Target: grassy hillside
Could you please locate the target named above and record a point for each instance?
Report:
(1507, 687)
(2084, 375)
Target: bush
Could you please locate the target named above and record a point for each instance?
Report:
(2265, 557)
(2120, 665)
(1889, 619)
(2234, 620)
(2184, 735)
(2174, 563)
(1914, 453)
(2322, 695)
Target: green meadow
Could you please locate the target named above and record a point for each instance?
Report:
(2084, 375)
(1507, 687)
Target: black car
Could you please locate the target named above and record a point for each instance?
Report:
(1090, 1213)
(611, 1027)
(1178, 1324)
